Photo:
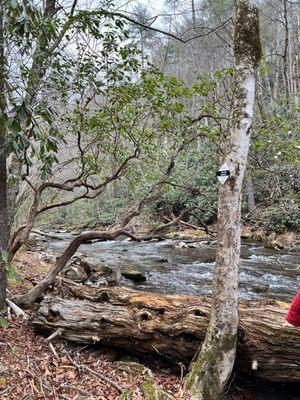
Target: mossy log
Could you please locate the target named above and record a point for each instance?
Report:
(173, 326)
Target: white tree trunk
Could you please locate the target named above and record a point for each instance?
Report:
(212, 367)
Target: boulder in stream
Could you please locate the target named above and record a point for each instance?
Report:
(91, 264)
(76, 273)
(89, 269)
(260, 288)
(130, 272)
(162, 260)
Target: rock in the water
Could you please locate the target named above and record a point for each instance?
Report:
(47, 257)
(76, 273)
(91, 264)
(133, 274)
(181, 245)
(295, 248)
(97, 278)
(262, 288)
(277, 245)
(87, 269)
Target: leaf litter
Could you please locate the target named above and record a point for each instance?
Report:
(29, 369)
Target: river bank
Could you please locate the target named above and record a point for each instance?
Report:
(185, 261)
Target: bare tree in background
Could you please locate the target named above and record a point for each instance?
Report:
(4, 231)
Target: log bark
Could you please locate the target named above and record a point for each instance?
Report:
(172, 326)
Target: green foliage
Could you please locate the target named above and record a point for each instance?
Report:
(32, 120)
(279, 217)
(105, 96)
(278, 135)
(3, 323)
(196, 187)
(24, 22)
(4, 256)
(11, 273)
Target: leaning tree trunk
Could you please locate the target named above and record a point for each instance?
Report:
(4, 232)
(37, 291)
(213, 365)
(172, 326)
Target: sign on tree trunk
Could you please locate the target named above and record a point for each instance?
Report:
(211, 369)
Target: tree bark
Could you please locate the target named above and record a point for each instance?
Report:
(172, 326)
(286, 51)
(250, 194)
(4, 232)
(212, 367)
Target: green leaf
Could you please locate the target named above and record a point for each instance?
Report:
(12, 275)
(4, 256)
(3, 323)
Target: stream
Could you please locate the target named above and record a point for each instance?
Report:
(171, 269)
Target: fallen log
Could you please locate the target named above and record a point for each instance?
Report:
(173, 326)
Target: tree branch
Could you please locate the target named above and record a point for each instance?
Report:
(150, 27)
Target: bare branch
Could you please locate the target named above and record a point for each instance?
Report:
(150, 27)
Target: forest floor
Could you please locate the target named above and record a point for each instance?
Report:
(32, 368)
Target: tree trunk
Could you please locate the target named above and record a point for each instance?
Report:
(15, 170)
(4, 232)
(20, 236)
(172, 326)
(250, 194)
(286, 51)
(193, 13)
(38, 70)
(213, 365)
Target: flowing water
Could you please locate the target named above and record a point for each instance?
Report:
(170, 269)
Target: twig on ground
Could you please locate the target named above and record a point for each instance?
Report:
(54, 334)
(54, 351)
(79, 390)
(104, 378)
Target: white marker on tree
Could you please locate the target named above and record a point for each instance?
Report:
(223, 173)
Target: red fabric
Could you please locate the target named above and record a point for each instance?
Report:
(293, 315)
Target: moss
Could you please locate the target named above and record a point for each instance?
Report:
(131, 367)
(204, 377)
(126, 396)
(247, 38)
(152, 392)
(231, 182)
(3, 383)
(229, 342)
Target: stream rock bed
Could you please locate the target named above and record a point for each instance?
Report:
(172, 266)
